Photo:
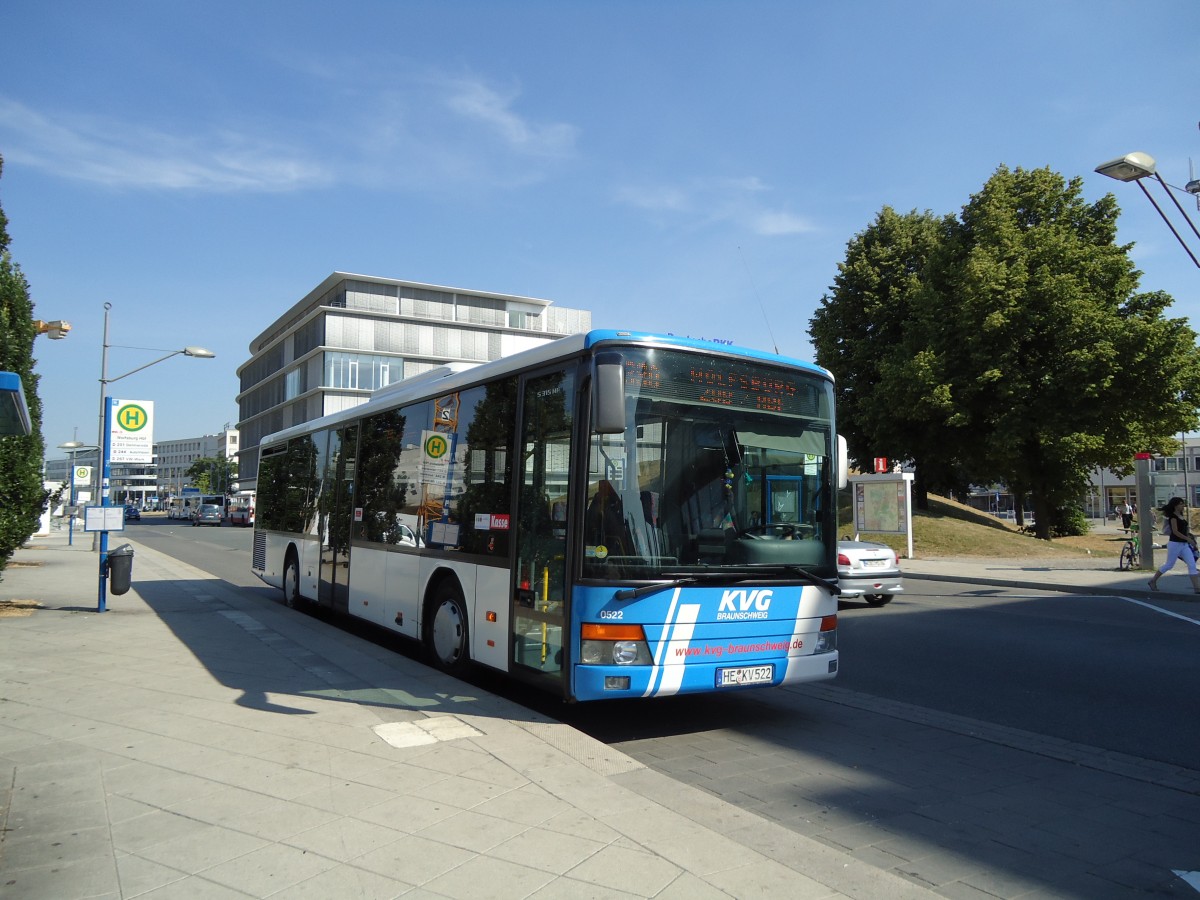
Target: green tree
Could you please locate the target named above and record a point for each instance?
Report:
(213, 474)
(1028, 355)
(890, 399)
(1056, 361)
(22, 495)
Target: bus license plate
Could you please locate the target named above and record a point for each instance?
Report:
(745, 675)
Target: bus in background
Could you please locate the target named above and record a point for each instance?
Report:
(612, 514)
(241, 508)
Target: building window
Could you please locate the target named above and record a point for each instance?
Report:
(362, 372)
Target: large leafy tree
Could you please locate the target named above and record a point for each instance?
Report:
(22, 495)
(1056, 357)
(1029, 354)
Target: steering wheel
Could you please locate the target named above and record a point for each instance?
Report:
(776, 531)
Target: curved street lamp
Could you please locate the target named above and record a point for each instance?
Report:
(1138, 165)
(105, 467)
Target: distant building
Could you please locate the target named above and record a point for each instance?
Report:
(60, 469)
(174, 458)
(354, 333)
(1170, 476)
(147, 484)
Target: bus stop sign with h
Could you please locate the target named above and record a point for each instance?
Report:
(128, 440)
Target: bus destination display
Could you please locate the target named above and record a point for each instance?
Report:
(692, 379)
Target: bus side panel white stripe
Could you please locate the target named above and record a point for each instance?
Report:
(662, 646)
(681, 635)
(658, 659)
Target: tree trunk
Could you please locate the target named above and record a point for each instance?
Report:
(920, 489)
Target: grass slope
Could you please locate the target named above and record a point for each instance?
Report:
(949, 528)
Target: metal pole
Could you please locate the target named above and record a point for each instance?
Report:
(101, 477)
(1183, 212)
(105, 466)
(1145, 511)
(71, 504)
(1183, 446)
(102, 444)
(1178, 237)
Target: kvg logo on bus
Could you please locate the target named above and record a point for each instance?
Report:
(743, 604)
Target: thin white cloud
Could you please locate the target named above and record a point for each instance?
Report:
(422, 131)
(735, 201)
(771, 223)
(656, 198)
(428, 131)
(127, 155)
(477, 102)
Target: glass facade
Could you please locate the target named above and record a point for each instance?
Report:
(355, 336)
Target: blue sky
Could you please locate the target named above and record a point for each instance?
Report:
(694, 167)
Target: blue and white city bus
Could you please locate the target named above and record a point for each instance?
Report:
(613, 514)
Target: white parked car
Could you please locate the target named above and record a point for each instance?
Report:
(870, 571)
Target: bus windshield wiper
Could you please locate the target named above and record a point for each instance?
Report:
(793, 569)
(681, 580)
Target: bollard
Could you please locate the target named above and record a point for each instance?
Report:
(120, 568)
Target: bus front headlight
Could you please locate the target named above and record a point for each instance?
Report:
(827, 637)
(630, 653)
(613, 645)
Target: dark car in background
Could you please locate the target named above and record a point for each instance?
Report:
(133, 514)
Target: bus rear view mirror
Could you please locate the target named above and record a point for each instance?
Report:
(843, 464)
(609, 414)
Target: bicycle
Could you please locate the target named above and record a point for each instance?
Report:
(1131, 553)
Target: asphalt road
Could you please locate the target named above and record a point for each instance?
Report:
(1101, 671)
(1049, 740)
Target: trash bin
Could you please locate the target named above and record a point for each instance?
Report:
(120, 569)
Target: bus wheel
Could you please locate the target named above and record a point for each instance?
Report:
(447, 635)
(291, 582)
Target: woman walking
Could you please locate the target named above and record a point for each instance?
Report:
(1180, 544)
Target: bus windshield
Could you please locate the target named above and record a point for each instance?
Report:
(724, 464)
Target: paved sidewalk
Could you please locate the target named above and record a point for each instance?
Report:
(197, 742)
(1097, 574)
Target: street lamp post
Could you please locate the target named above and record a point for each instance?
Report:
(1135, 167)
(106, 436)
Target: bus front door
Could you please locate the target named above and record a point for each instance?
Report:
(539, 576)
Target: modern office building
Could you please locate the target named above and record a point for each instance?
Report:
(352, 334)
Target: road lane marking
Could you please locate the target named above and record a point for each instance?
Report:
(1159, 609)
